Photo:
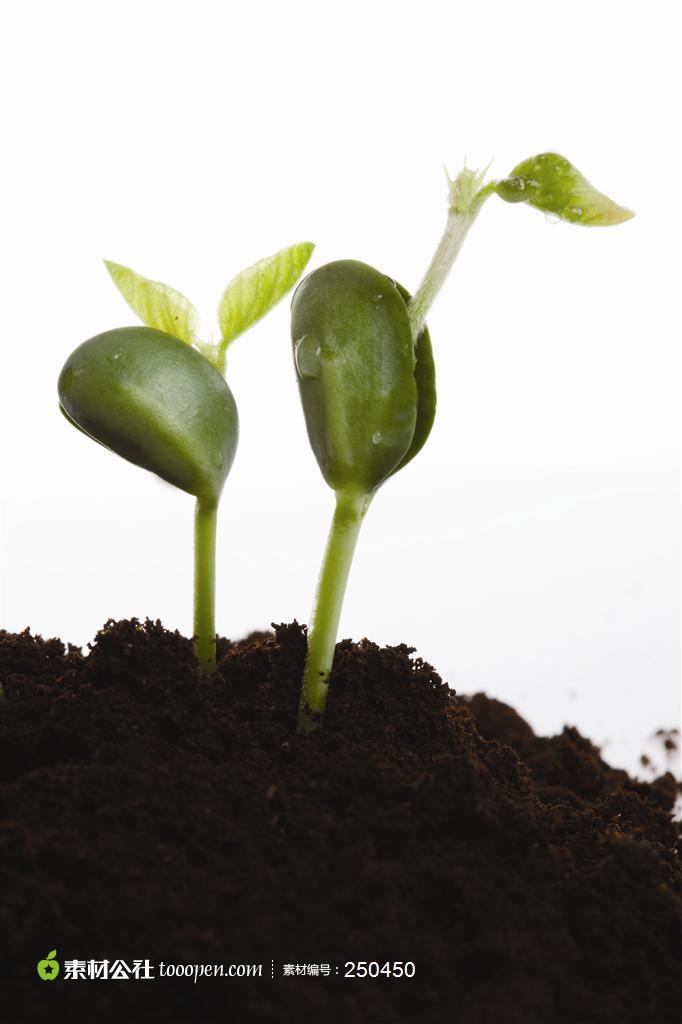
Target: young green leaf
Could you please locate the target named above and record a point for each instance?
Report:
(548, 182)
(155, 303)
(464, 191)
(355, 363)
(156, 402)
(551, 183)
(250, 295)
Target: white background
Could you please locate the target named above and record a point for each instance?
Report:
(531, 550)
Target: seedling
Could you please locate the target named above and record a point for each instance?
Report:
(366, 374)
(156, 395)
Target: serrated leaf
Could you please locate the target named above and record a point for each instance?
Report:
(551, 183)
(156, 304)
(251, 294)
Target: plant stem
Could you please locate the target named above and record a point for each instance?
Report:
(456, 230)
(204, 582)
(343, 536)
(461, 215)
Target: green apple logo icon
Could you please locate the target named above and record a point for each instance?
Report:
(48, 969)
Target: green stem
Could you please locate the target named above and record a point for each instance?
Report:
(204, 582)
(460, 219)
(343, 536)
(456, 230)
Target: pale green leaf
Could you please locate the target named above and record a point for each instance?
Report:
(464, 190)
(251, 294)
(550, 183)
(155, 303)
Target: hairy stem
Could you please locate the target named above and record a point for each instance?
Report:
(460, 218)
(343, 536)
(204, 582)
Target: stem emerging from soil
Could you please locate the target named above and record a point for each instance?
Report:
(343, 536)
(204, 582)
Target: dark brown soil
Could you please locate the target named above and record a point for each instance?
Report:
(147, 813)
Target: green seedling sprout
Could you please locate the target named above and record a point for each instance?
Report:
(156, 395)
(366, 374)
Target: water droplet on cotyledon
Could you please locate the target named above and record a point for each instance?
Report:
(552, 218)
(376, 437)
(307, 352)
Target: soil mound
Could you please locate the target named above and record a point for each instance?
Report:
(149, 813)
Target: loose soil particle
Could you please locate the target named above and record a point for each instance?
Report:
(147, 812)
